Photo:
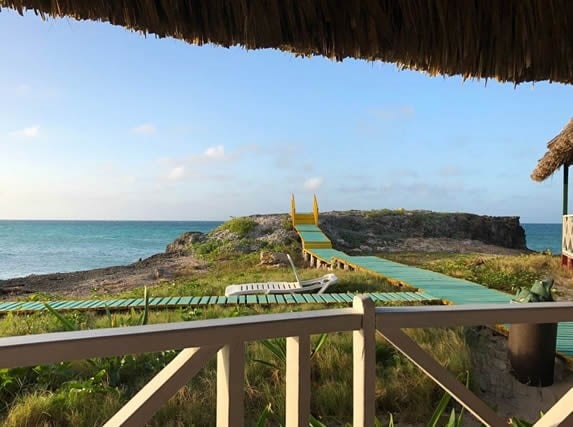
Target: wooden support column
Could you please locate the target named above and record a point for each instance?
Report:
(564, 259)
(364, 364)
(565, 188)
(230, 385)
(297, 381)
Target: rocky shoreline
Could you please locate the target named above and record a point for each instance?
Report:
(357, 232)
(108, 280)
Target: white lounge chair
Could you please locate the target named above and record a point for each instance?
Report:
(321, 284)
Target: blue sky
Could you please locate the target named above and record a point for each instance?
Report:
(100, 123)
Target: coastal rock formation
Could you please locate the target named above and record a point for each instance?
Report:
(363, 232)
(400, 230)
(272, 233)
(181, 244)
(273, 259)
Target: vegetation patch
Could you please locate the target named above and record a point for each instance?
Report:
(87, 393)
(377, 213)
(502, 272)
(241, 226)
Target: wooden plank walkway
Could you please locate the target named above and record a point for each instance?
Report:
(190, 302)
(446, 288)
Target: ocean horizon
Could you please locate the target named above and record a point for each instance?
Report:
(59, 246)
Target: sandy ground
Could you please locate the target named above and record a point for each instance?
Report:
(497, 387)
(108, 280)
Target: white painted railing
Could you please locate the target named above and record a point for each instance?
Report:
(567, 242)
(202, 340)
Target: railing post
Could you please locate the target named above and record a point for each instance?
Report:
(230, 385)
(297, 381)
(315, 210)
(364, 361)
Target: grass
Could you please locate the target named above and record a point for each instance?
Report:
(502, 272)
(68, 395)
(246, 269)
(87, 393)
(241, 226)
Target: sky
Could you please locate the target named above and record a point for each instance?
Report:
(97, 122)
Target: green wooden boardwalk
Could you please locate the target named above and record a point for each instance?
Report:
(189, 302)
(452, 290)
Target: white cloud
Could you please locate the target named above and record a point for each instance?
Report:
(29, 132)
(216, 152)
(313, 184)
(144, 129)
(176, 173)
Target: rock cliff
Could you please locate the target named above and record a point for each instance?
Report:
(363, 232)
(386, 230)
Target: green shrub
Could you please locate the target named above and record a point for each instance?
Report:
(240, 226)
(376, 213)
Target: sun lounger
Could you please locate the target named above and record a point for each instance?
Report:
(321, 284)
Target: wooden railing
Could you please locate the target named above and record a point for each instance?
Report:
(225, 338)
(567, 242)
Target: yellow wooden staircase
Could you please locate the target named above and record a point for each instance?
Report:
(306, 225)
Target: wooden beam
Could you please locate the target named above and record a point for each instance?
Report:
(230, 385)
(141, 407)
(364, 364)
(473, 314)
(561, 414)
(297, 381)
(30, 350)
(565, 188)
(442, 377)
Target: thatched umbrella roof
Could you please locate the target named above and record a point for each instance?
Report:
(559, 152)
(510, 40)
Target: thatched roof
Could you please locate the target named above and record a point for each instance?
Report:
(510, 40)
(559, 152)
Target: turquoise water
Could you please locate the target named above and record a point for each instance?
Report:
(543, 236)
(37, 247)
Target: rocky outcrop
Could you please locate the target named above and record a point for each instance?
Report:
(181, 244)
(376, 231)
(360, 232)
(273, 259)
(254, 233)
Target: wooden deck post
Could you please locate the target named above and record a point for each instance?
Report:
(364, 362)
(565, 188)
(230, 385)
(297, 381)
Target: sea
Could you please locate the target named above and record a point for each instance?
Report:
(39, 247)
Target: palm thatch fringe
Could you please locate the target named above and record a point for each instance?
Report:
(559, 152)
(509, 40)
